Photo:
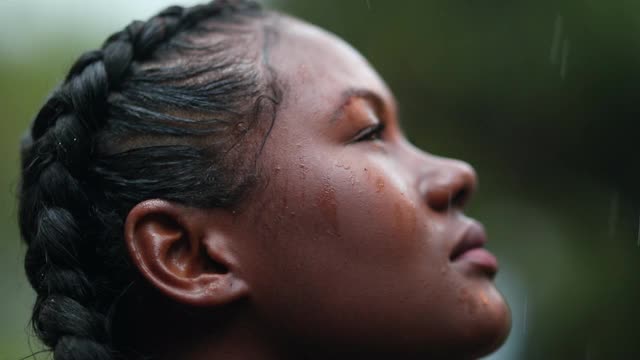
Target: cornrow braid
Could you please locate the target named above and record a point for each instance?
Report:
(118, 131)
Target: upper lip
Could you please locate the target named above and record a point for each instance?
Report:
(473, 237)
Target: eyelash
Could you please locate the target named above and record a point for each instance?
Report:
(371, 133)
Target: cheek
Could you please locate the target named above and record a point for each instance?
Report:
(348, 228)
(344, 251)
(376, 216)
(356, 211)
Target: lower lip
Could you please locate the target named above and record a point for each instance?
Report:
(481, 258)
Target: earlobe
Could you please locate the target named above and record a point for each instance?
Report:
(184, 252)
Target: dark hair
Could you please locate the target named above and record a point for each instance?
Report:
(158, 112)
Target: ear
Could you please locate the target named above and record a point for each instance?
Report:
(185, 252)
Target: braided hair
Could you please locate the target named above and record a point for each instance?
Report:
(155, 113)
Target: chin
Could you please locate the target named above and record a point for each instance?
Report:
(477, 346)
(479, 332)
(472, 336)
(492, 331)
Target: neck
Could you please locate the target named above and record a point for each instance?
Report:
(238, 338)
(166, 330)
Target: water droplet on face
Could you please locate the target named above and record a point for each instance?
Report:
(379, 185)
(327, 204)
(483, 298)
(241, 127)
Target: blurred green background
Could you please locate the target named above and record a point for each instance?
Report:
(540, 96)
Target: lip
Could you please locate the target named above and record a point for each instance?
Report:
(470, 250)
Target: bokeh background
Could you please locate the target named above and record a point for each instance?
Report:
(540, 96)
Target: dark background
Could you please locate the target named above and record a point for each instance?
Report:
(540, 96)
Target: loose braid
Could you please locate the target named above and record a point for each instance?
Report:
(74, 194)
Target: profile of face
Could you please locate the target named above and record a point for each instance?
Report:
(356, 239)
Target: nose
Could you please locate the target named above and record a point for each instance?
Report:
(448, 184)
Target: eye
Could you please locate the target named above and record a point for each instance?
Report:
(371, 133)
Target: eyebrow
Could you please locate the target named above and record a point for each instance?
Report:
(371, 96)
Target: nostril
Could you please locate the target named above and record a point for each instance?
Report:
(460, 198)
(444, 198)
(440, 199)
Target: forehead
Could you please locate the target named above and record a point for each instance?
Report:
(317, 68)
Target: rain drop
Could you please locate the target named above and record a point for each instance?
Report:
(524, 315)
(556, 41)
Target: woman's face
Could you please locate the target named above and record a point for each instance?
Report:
(355, 238)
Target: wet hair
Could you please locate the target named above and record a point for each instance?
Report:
(163, 110)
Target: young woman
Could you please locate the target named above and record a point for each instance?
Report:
(223, 182)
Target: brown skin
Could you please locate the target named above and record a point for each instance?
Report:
(343, 253)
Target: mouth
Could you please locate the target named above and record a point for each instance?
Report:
(470, 251)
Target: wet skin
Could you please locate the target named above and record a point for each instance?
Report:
(346, 246)
(355, 229)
